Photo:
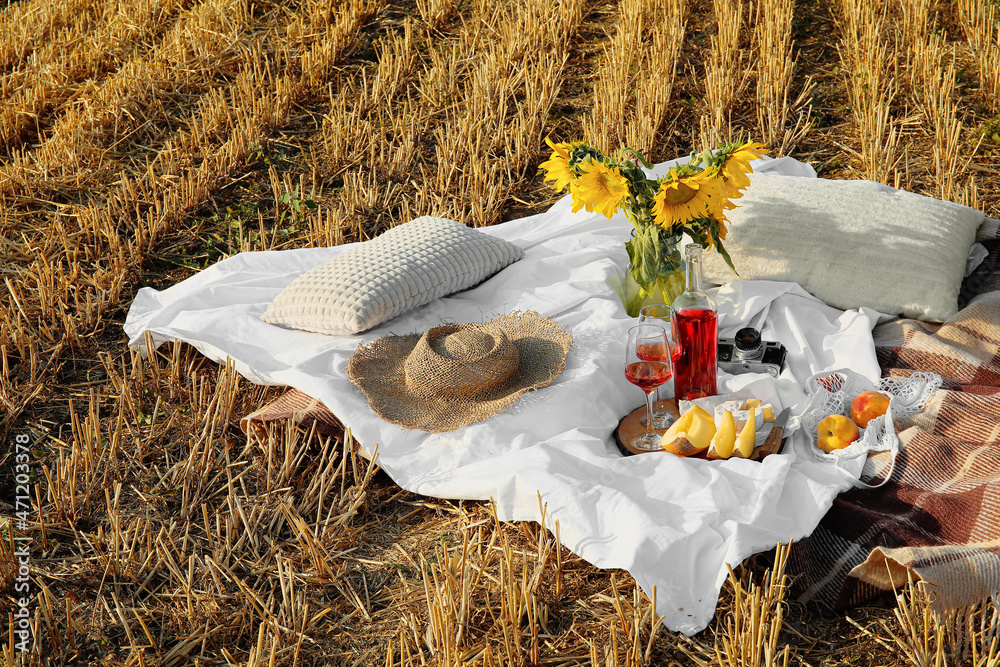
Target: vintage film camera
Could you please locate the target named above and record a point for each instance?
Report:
(746, 353)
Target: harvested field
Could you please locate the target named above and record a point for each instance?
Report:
(140, 143)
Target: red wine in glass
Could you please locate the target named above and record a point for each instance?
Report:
(698, 336)
(645, 342)
(663, 315)
(648, 375)
(652, 351)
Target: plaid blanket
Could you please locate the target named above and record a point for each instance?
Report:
(301, 409)
(937, 518)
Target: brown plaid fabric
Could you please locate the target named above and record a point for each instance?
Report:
(300, 409)
(939, 516)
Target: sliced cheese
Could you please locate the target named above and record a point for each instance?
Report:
(727, 406)
(742, 417)
(763, 414)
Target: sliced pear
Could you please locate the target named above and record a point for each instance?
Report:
(682, 445)
(748, 437)
(724, 440)
(682, 424)
(690, 434)
(702, 427)
(751, 403)
(675, 439)
(768, 411)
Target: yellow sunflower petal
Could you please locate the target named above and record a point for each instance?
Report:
(737, 165)
(561, 149)
(599, 188)
(557, 170)
(735, 178)
(557, 166)
(752, 150)
(681, 199)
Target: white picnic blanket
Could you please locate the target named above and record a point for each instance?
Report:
(672, 523)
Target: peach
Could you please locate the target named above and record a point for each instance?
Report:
(836, 432)
(867, 406)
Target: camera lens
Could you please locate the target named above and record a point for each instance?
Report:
(747, 339)
(747, 342)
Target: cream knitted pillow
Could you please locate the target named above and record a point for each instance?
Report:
(851, 243)
(405, 267)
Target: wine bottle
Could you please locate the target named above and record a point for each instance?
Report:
(697, 333)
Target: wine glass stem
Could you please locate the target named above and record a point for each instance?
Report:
(649, 409)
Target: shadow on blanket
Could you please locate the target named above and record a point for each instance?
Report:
(938, 516)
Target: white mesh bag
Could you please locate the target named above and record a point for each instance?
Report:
(832, 392)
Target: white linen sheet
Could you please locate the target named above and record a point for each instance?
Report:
(672, 523)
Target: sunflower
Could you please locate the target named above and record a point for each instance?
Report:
(599, 188)
(557, 166)
(736, 166)
(723, 230)
(682, 199)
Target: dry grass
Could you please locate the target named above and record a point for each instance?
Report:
(869, 60)
(635, 78)
(960, 637)
(782, 120)
(140, 146)
(980, 23)
(727, 74)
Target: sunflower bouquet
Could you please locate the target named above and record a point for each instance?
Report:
(690, 199)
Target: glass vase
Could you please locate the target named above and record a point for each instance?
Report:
(671, 283)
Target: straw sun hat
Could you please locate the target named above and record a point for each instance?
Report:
(458, 374)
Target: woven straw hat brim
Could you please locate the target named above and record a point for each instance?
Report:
(377, 368)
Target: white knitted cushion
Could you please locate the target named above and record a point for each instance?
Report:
(407, 266)
(851, 243)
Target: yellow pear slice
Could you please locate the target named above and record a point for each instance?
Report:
(681, 424)
(751, 403)
(747, 438)
(768, 411)
(702, 427)
(676, 435)
(724, 441)
(690, 434)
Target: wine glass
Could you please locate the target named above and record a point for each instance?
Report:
(663, 315)
(647, 365)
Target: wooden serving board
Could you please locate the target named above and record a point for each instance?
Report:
(631, 426)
